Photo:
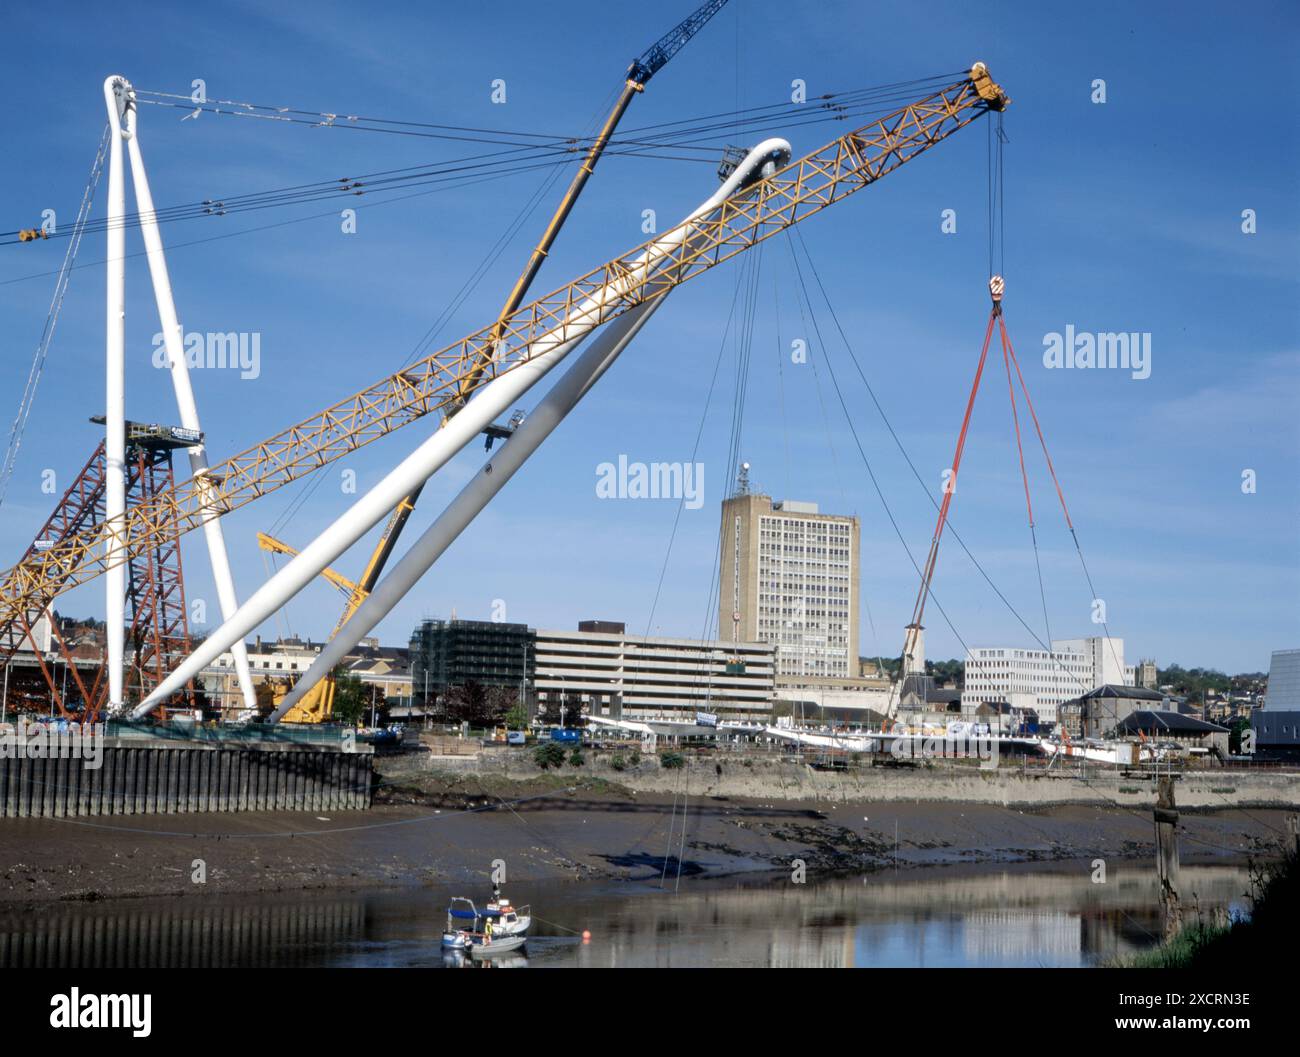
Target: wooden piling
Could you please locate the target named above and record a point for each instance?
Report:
(1166, 820)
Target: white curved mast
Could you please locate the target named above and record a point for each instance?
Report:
(115, 98)
(121, 101)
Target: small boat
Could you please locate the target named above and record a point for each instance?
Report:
(468, 927)
(462, 923)
(490, 947)
(507, 920)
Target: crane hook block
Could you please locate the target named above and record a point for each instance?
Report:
(30, 234)
(997, 287)
(987, 90)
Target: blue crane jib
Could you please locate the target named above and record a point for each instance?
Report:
(654, 57)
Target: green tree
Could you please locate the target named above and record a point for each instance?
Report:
(517, 716)
(351, 702)
(1235, 732)
(944, 670)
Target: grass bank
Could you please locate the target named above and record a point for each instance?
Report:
(1272, 925)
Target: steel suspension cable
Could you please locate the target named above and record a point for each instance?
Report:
(1024, 477)
(19, 426)
(1061, 495)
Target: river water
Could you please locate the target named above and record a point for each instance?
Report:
(1024, 915)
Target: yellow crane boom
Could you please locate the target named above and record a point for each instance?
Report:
(434, 384)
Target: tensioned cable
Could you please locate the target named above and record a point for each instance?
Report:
(325, 119)
(795, 115)
(448, 185)
(1061, 496)
(744, 344)
(352, 188)
(805, 309)
(889, 513)
(997, 229)
(695, 449)
(912, 466)
(51, 319)
(284, 223)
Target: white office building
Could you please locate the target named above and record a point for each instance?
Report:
(789, 577)
(1106, 655)
(1041, 679)
(639, 677)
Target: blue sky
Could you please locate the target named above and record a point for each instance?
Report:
(1124, 216)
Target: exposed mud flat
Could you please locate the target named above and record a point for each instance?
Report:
(438, 830)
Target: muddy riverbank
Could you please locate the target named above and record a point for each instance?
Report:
(440, 830)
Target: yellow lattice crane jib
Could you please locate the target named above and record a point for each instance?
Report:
(433, 384)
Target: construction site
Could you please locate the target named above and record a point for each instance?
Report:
(784, 666)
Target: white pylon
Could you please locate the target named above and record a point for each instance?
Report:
(115, 89)
(173, 338)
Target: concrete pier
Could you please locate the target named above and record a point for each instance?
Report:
(136, 777)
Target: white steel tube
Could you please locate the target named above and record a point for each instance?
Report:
(416, 468)
(577, 380)
(115, 397)
(564, 396)
(189, 412)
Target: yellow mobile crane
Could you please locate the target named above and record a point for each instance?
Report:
(805, 187)
(318, 705)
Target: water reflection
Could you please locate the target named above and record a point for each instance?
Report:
(938, 917)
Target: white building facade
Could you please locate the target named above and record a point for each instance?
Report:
(1042, 679)
(1106, 654)
(789, 577)
(644, 678)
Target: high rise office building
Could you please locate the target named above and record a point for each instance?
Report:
(789, 576)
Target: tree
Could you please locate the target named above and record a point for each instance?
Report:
(564, 709)
(350, 698)
(517, 716)
(945, 670)
(475, 704)
(502, 701)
